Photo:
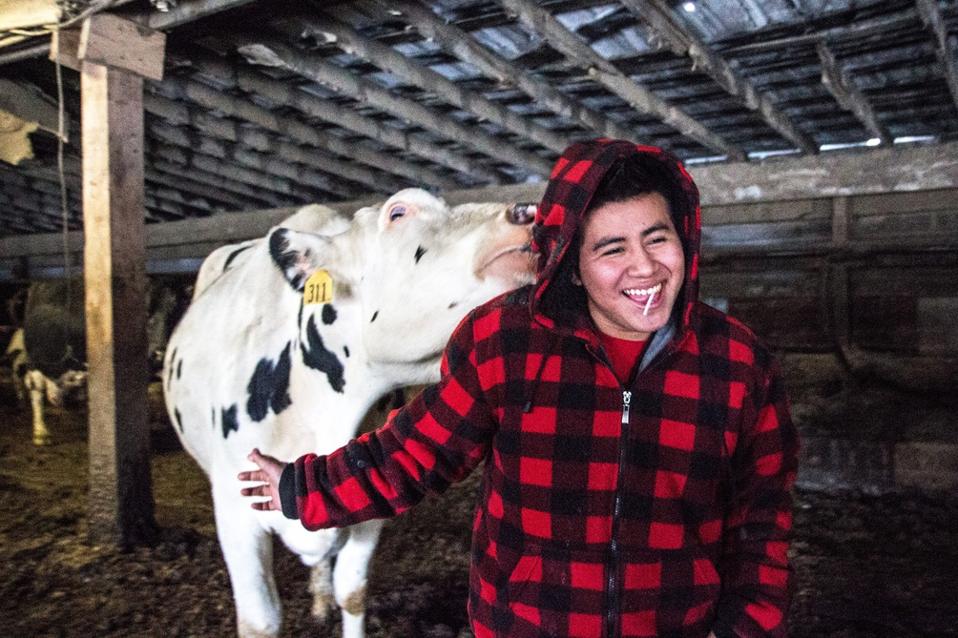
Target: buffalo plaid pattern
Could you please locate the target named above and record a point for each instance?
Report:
(673, 521)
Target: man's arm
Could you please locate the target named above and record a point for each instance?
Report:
(437, 439)
(754, 568)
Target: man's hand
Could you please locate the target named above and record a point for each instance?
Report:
(267, 476)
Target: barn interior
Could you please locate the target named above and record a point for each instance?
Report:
(823, 135)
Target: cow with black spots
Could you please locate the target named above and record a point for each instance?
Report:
(291, 341)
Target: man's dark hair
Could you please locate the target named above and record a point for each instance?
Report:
(634, 176)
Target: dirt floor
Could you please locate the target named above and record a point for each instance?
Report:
(867, 565)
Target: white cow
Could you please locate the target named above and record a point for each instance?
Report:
(252, 365)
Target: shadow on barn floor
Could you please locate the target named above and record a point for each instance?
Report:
(868, 564)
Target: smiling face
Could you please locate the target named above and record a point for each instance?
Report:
(632, 266)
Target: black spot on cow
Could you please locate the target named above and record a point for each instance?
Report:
(317, 357)
(213, 416)
(420, 251)
(329, 314)
(232, 256)
(453, 305)
(346, 351)
(286, 259)
(269, 387)
(179, 369)
(299, 317)
(169, 372)
(230, 424)
(375, 314)
(179, 418)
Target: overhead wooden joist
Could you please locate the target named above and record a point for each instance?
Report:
(268, 165)
(218, 128)
(682, 41)
(277, 190)
(273, 52)
(770, 39)
(944, 52)
(579, 53)
(840, 84)
(169, 159)
(388, 59)
(209, 98)
(460, 44)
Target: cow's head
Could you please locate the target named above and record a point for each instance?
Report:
(415, 266)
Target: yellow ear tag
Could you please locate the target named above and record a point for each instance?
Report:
(319, 288)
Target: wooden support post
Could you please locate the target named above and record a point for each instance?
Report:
(121, 499)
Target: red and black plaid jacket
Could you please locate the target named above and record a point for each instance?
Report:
(661, 509)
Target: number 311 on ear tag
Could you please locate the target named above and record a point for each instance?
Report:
(318, 288)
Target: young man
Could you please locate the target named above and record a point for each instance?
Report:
(637, 444)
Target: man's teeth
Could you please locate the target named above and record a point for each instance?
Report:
(643, 292)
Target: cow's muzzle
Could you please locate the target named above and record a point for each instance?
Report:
(521, 214)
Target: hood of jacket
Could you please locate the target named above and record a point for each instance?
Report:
(556, 302)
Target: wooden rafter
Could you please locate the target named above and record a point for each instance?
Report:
(459, 43)
(259, 162)
(217, 128)
(931, 17)
(257, 84)
(643, 100)
(185, 12)
(273, 52)
(663, 23)
(175, 171)
(425, 78)
(838, 82)
(212, 99)
(285, 191)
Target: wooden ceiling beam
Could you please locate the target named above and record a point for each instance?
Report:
(169, 172)
(282, 190)
(268, 51)
(579, 53)
(424, 78)
(662, 21)
(840, 84)
(257, 161)
(181, 181)
(184, 13)
(213, 99)
(934, 22)
(462, 45)
(179, 114)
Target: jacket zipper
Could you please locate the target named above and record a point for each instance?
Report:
(612, 583)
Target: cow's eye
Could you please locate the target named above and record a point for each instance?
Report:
(396, 211)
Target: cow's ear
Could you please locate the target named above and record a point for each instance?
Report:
(407, 204)
(298, 254)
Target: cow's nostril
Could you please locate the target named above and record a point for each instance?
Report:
(522, 213)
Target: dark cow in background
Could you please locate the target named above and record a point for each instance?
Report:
(54, 340)
(288, 347)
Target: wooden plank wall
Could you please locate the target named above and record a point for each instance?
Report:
(875, 271)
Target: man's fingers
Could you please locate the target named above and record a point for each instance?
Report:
(258, 476)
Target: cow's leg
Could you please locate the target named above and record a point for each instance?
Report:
(321, 587)
(349, 575)
(248, 552)
(36, 384)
